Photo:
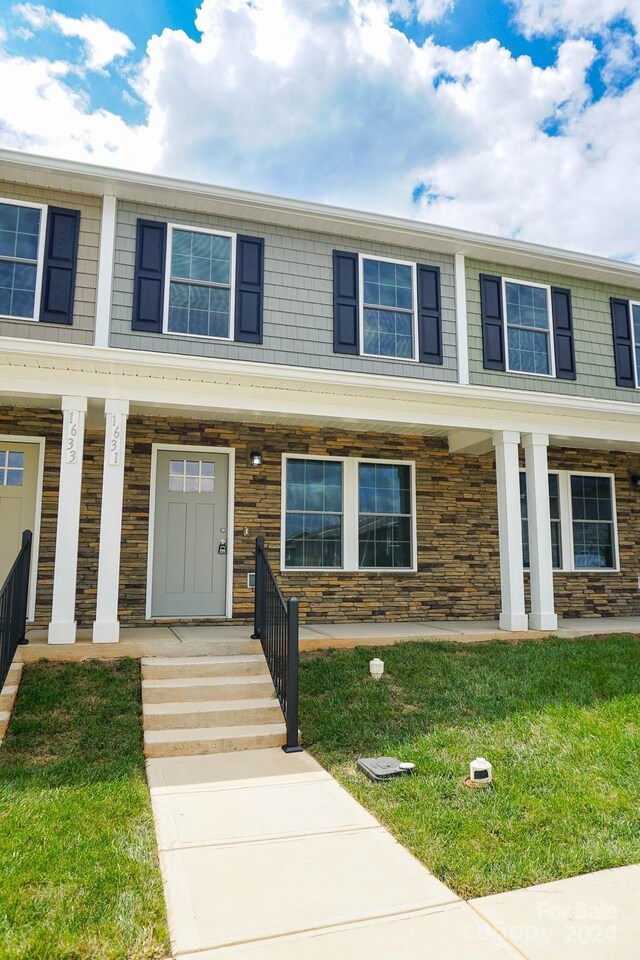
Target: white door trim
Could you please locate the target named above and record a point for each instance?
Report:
(192, 448)
(35, 543)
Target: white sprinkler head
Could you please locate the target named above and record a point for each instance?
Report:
(376, 667)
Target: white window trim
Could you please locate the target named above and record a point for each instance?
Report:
(505, 326)
(350, 515)
(566, 522)
(414, 302)
(636, 372)
(40, 263)
(167, 280)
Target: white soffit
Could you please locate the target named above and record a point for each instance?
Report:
(165, 191)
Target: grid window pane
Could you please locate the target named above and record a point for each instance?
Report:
(593, 534)
(384, 520)
(191, 476)
(200, 287)
(11, 468)
(556, 529)
(528, 328)
(388, 309)
(313, 523)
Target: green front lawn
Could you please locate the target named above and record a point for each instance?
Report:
(559, 720)
(79, 878)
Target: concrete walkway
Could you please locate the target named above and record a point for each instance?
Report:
(265, 857)
(184, 641)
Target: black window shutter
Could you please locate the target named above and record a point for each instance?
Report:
(429, 315)
(563, 333)
(59, 268)
(622, 342)
(148, 284)
(345, 303)
(492, 326)
(249, 284)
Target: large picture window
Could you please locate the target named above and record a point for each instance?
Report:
(348, 514)
(388, 312)
(200, 274)
(583, 525)
(527, 313)
(20, 259)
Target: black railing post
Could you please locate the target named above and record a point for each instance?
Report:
(291, 718)
(259, 596)
(27, 537)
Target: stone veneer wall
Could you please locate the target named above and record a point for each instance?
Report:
(458, 566)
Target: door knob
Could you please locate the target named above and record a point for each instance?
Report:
(222, 547)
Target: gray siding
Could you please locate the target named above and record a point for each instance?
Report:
(595, 366)
(84, 306)
(298, 298)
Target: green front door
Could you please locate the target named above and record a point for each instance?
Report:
(190, 538)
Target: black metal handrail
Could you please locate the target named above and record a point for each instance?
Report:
(13, 606)
(276, 626)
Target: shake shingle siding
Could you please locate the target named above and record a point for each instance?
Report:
(593, 339)
(298, 298)
(81, 331)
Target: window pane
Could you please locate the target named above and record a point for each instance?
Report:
(384, 541)
(17, 289)
(556, 530)
(388, 333)
(384, 522)
(14, 478)
(313, 540)
(313, 535)
(528, 351)
(19, 231)
(527, 306)
(197, 310)
(593, 537)
(16, 458)
(200, 256)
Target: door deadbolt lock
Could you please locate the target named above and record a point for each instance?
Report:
(222, 547)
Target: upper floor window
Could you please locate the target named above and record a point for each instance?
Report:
(527, 313)
(21, 244)
(583, 521)
(348, 514)
(201, 268)
(388, 309)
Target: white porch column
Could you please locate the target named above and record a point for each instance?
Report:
(512, 616)
(542, 615)
(62, 628)
(106, 627)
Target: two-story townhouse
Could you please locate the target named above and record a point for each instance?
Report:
(424, 423)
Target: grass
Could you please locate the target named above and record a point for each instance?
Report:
(559, 720)
(79, 878)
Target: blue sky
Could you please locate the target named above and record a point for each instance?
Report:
(498, 115)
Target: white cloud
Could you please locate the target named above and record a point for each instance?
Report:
(327, 101)
(103, 44)
(548, 17)
(425, 11)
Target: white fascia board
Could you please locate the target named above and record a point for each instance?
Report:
(170, 191)
(33, 368)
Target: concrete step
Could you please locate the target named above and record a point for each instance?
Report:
(227, 648)
(210, 713)
(174, 668)
(202, 740)
(206, 688)
(7, 696)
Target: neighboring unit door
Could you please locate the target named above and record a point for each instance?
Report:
(18, 486)
(190, 536)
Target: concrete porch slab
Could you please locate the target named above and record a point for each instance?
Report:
(591, 917)
(450, 932)
(223, 895)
